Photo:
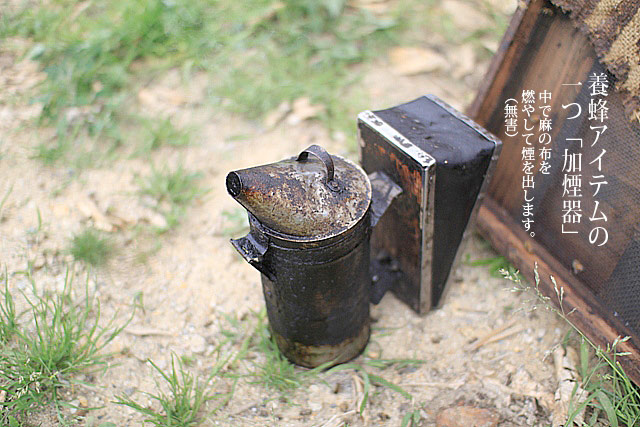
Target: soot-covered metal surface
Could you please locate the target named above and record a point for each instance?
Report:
(292, 196)
(424, 228)
(310, 225)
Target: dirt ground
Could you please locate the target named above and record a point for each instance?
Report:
(192, 276)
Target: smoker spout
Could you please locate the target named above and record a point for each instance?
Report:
(250, 187)
(276, 195)
(234, 184)
(254, 188)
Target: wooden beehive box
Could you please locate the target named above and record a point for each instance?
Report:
(543, 50)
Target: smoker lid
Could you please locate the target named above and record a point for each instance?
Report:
(298, 198)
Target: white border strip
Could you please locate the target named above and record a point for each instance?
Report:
(393, 136)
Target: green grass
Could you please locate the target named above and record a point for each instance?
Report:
(96, 54)
(49, 154)
(87, 51)
(275, 43)
(8, 315)
(180, 398)
(608, 392)
(364, 370)
(172, 190)
(246, 351)
(610, 395)
(91, 247)
(181, 405)
(161, 133)
(61, 334)
(411, 419)
(273, 370)
(495, 265)
(176, 187)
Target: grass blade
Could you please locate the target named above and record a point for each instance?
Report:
(608, 408)
(365, 390)
(584, 358)
(392, 386)
(406, 419)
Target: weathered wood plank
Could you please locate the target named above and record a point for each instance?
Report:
(589, 316)
(543, 50)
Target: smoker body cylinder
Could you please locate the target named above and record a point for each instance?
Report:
(317, 295)
(310, 223)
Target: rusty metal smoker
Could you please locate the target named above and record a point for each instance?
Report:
(312, 218)
(310, 223)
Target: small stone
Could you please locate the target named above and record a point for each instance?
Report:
(383, 416)
(83, 402)
(197, 344)
(315, 406)
(491, 45)
(74, 406)
(464, 59)
(276, 116)
(302, 109)
(410, 60)
(465, 17)
(467, 416)
(156, 219)
(314, 388)
(39, 261)
(339, 136)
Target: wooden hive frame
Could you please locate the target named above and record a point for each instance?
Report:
(540, 50)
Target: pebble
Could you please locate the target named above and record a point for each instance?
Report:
(197, 344)
(467, 416)
(315, 406)
(83, 402)
(39, 261)
(73, 409)
(465, 17)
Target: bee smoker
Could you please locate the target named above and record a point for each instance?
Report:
(312, 218)
(310, 222)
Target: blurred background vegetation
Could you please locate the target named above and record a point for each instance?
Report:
(258, 54)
